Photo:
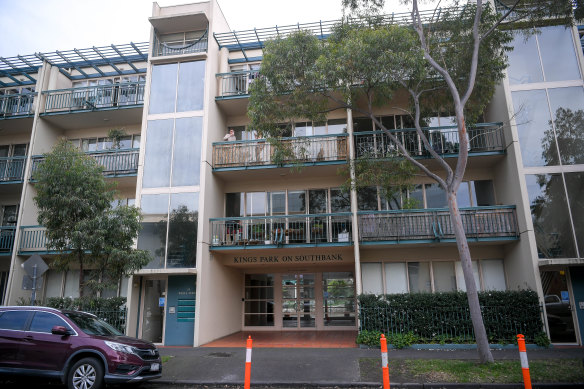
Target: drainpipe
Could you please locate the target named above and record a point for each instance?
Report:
(354, 207)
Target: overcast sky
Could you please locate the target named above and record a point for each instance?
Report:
(29, 26)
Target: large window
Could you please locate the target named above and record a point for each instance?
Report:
(177, 87)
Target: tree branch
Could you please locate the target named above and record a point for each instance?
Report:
(498, 22)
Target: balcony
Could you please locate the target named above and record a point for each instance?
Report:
(12, 170)
(100, 97)
(116, 163)
(180, 43)
(235, 84)
(32, 240)
(259, 154)
(496, 223)
(6, 240)
(484, 139)
(16, 105)
(331, 229)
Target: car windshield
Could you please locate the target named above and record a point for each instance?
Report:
(92, 325)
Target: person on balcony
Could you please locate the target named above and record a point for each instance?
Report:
(230, 136)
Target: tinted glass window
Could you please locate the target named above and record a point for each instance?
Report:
(13, 320)
(92, 325)
(45, 321)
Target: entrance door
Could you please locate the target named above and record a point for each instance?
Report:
(298, 300)
(558, 307)
(154, 293)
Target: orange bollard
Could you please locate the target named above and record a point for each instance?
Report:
(524, 363)
(384, 362)
(246, 384)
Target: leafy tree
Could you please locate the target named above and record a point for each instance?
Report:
(182, 236)
(444, 61)
(74, 204)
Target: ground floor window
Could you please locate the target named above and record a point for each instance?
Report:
(430, 276)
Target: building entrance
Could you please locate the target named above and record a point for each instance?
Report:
(153, 300)
(558, 306)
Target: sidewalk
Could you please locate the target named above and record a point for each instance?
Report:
(302, 367)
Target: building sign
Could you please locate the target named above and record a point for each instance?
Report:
(306, 258)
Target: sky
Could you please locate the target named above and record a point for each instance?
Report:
(30, 26)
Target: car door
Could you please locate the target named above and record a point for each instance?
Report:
(41, 349)
(12, 325)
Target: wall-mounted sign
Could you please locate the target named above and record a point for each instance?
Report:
(161, 302)
(310, 258)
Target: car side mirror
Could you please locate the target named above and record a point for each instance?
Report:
(59, 330)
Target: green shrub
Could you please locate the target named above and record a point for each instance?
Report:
(542, 340)
(369, 338)
(91, 304)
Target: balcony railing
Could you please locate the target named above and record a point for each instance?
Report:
(321, 229)
(480, 223)
(485, 137)
(190, 46)
(16, 105)
(6, 239)
(95, 97)
(306, 150)
(123, 162)
(12, 169)
(236, 83)
(32, 239)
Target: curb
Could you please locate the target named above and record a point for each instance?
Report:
(454, 346)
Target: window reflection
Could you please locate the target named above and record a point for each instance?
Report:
(557, 53)
(567, 109)
(190, 86)
(524, 63)
(152, 237)
(575, 188)
(163, 88)
(182, 230)
(187, 152)
(158, 152)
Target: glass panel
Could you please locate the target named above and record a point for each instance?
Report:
(278, 203)
(19, 150)
(371, 277)
(45, 321)
(557, 53)
(567, 109)
(444, 276)
(340, 201)
(317, 201)
(234, 204)
(296, 202)
(493, 274)
(575, 187)
(136, 141)
(463, 195)
(264, 320)
(319, 128)
(191, 82)
(419, 277)
(396, 278)
(158, 154)
(460, 284)
(417, 195)
(259, 280)
(153, 315)
(13, 320)
(435, 196)
(337, 126)
(557, 306)
(186, 165)
(549, 212)
(524, 63)
(256, 204)
(484, 193)
(362, 124)
(152, 237)
(367, 199)
(182, 230)
(163, 88)
(533, 118)
(125, 142)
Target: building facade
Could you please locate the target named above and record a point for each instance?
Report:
(241, 239)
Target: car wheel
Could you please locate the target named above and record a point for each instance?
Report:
(87, 373)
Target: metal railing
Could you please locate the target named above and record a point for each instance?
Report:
(115, 162)
(32, 238)
(435, 224)
(236, 83)
(308, 149)
(435, 323)
(7, 239)
(95, 97)
(12, 169)
(116, 318)
(484, 137)
(282, 230)
(16, 104)
(198, 45)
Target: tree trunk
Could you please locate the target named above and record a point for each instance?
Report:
(482, 340)
(81, 279)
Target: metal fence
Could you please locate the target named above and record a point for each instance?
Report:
(12, 168)
(116, 319)
(236, 83)
(16, 104)
(435, 224)
(485, 137)
(501, 322)
(179, 47)
(308, 149)
(282, 230)
(95, 97)
(7, 239)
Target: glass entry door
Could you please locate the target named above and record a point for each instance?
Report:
(154, 297)
(558, 307)
(298, 300)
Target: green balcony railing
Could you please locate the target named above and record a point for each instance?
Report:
(16, 105)
(7, 239)
(319, 229)
(95, 97)
(32, 239)
(12, 169)
(480, 223)
(115, 162)
(484, 137)
(236, 83)
(197, 43)
(307, 150)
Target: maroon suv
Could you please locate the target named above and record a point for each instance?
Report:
(77, 347)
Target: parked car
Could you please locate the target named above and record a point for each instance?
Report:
(81, 350)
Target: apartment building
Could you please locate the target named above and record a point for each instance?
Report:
(240, 238)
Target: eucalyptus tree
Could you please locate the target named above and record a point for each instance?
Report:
(447, 60)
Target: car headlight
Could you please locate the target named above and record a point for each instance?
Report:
(123, 348)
